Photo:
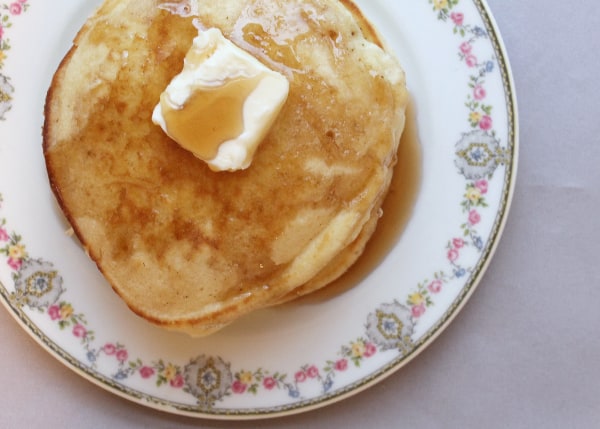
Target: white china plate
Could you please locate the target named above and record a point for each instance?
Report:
(300, 356)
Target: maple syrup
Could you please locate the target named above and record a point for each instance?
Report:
(210, 117)
(397, 211)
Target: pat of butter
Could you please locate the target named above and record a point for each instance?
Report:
(222, 104)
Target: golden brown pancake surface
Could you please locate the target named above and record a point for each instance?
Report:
(192, 249)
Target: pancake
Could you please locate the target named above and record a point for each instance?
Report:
(190, 249)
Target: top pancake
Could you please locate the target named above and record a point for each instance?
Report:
(191, 249)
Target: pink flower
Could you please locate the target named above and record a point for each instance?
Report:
(453, 255)
(341, 365)
(482, 185)
(479, 92)
(300, 376)
(485, 123)
(457, 18)
(54, 312)
(15, 264)
(1, 32)
(16, 8)
(370, 350)
(418, 310)
(238, 387)
(474, 217)
(465, 48)
(122, 355)
(435, 286)
(79, 331)
(458, 243)
(146, 372)
(312, 372)
(109, 349)
(3, 234)
(269, 383)
(177, 381)
(471, 60)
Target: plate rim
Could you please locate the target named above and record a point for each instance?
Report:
(382, 372)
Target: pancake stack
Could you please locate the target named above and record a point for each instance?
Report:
(191, 249)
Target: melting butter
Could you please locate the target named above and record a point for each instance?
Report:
(222, 104)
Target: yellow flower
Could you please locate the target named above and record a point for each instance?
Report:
(2, 56)
(246, 377)
(416, 299)
(170, 372)
(17, 251)
(358, 349)
(66, 311)
(440, 4)
(475, 117)
(473, 194)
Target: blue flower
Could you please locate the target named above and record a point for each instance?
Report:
(328, 384)
(479, 32)
(390, 326)
(91, 356)
(121, 375)
(489, 66)
(478, 242)
(477, 154)
(293, 392)
(460, 272)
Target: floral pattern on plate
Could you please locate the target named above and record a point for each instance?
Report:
(8, 11)
(388, 329)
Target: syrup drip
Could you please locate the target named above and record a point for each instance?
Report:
(397, 211)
